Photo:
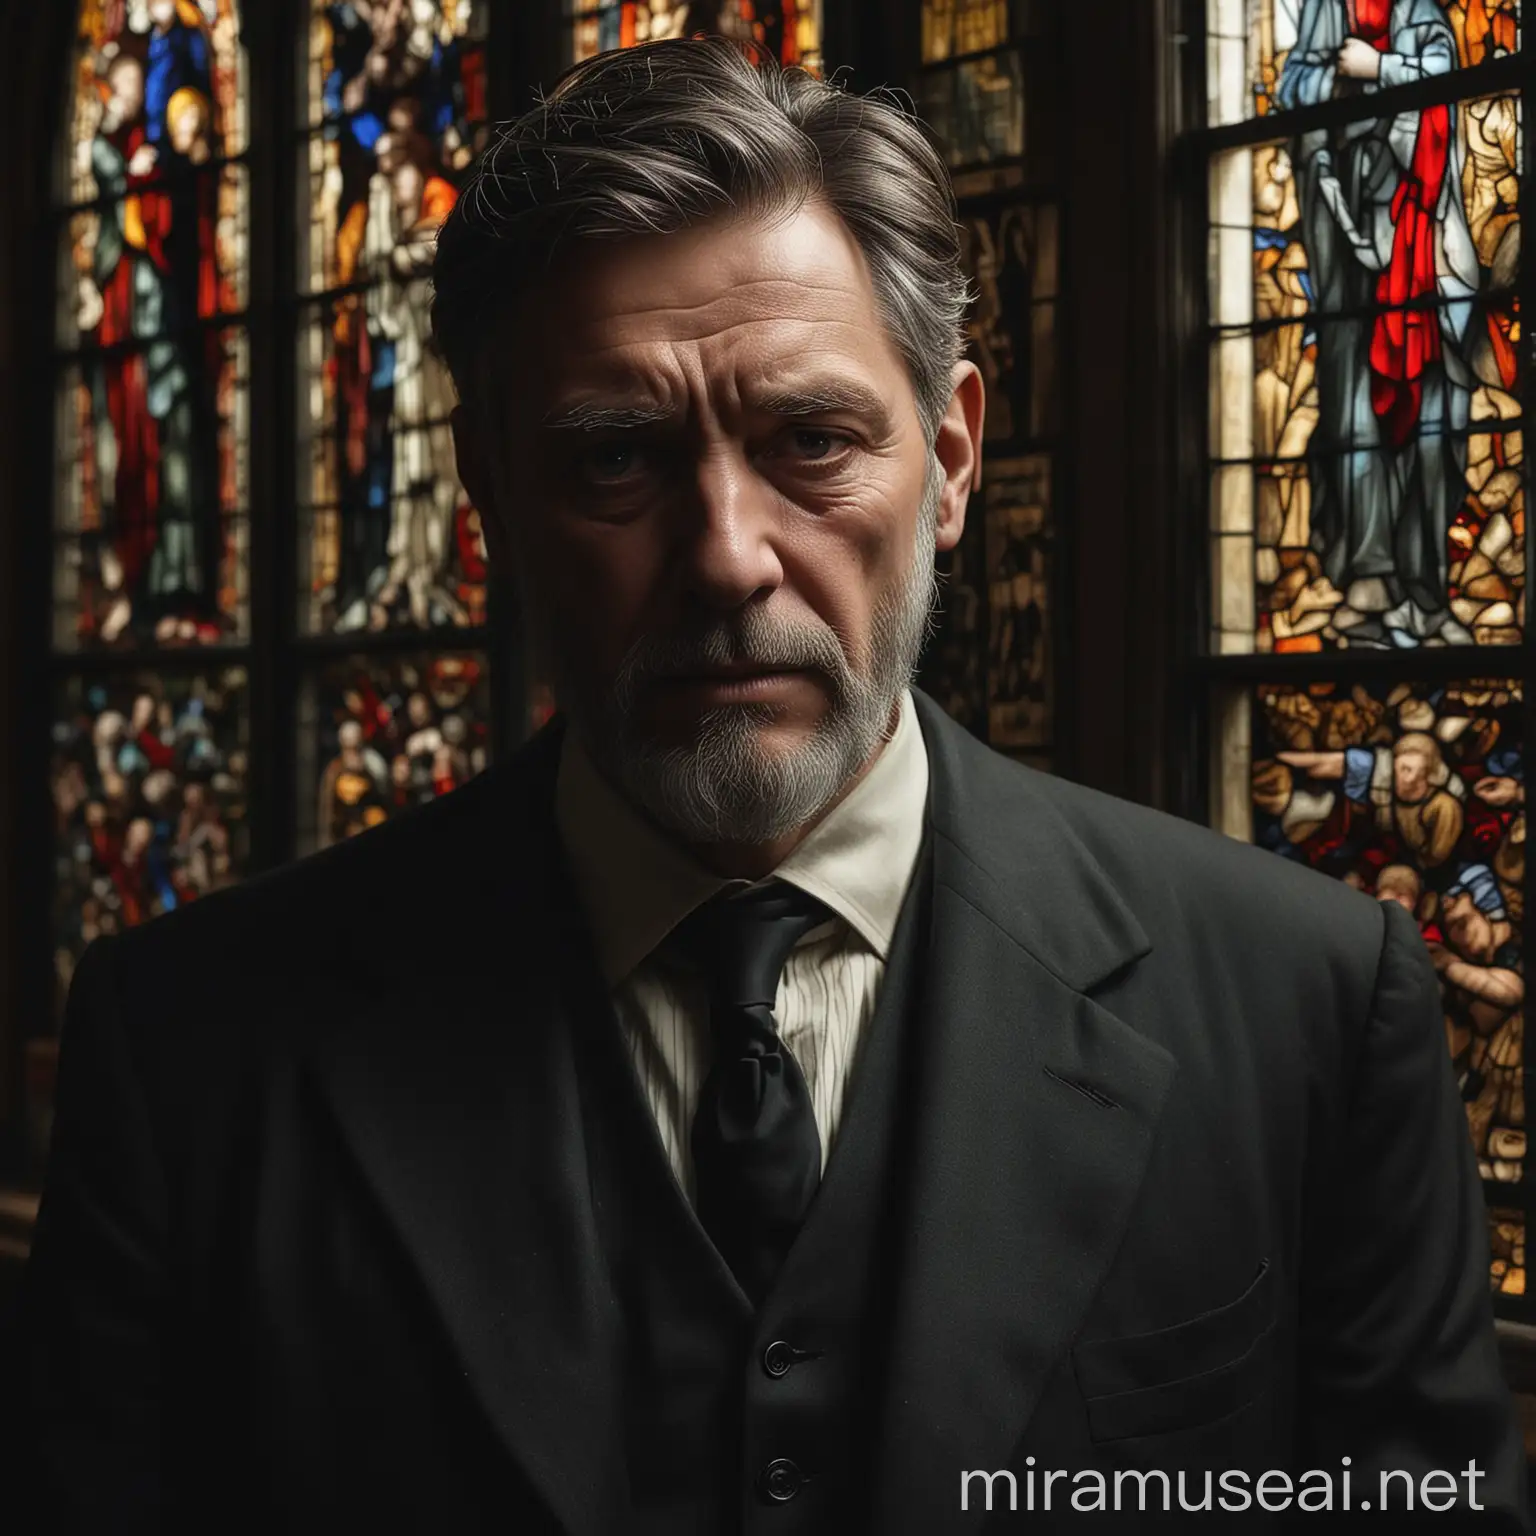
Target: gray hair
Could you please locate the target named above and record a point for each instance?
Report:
(657, 138)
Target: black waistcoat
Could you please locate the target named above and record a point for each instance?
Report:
(721, 1437)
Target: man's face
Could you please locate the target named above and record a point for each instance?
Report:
(728, 531)
(186, 129)
(1410, 771)
(1466, 925)
(126, 80)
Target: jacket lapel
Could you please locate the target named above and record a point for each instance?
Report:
(1032, 1122)
(461, 1095)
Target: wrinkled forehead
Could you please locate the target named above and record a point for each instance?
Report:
(725, 299)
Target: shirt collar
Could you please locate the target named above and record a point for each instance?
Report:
(637, 883)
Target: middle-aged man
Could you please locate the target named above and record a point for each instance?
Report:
(755, 1106)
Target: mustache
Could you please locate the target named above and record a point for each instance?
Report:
(657, 657)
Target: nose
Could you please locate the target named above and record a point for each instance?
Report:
(729, 538)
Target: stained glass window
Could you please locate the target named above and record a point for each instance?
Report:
(151, 512)
(379, 735)
(149, 792)
(1506, 1240)
(991, 661)
(1269, 55)
(1416, 794)
(396, 111)
(1367, 386)
(1366, 481)
(171, 641)
(151, 413)
(790, 30)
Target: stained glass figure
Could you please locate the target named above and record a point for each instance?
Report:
(129, 568)
(1011, 257)
(1506, 1243)
(1259, 51)
(154, 251)
(382, 734)
(1366, 382)
(422, 546)
(149, 795)
(397, 100)
(1416, 794)
(787, 30)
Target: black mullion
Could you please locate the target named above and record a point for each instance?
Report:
(1189, 496)
(263, 85)
(164, 661)
(1191, 172)
(289, 184)
(1524, 1307)
(224, 320)
(1221, 331)
(1499, 77)
(1431, 663)
(509, 49)
(1488, 426)
(1060, 578)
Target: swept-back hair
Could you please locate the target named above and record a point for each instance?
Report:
(660, 137)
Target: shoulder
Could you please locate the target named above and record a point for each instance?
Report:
(398, 895)
(230, 991)
(372, 882)
(1189, 884)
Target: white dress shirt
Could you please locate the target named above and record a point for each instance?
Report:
(636, 884)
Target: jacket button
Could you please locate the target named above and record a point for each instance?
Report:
(781, 1480)
(779, 1358)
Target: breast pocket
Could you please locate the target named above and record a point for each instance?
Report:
(1183, 1376)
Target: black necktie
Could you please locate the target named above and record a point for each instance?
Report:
(756, 1150)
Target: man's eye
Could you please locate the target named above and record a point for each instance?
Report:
(820, 450)
(607, 462)
(812, 437)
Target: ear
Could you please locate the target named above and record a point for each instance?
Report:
(476, 474)
(958, 447)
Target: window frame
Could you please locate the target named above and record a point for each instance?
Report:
(1195, 749)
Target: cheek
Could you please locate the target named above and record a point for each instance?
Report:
(843, 567)
(593, 582)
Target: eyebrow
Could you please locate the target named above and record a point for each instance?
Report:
(814, 398)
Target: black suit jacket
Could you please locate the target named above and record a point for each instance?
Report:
(1191, 1186)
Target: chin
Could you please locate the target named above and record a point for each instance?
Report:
(760, 721)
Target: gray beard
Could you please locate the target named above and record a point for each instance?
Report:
(725, 786)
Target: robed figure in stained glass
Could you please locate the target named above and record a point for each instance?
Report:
(396, 90)
(151, 281)
(1394, 273)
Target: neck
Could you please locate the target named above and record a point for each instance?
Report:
(754, 861)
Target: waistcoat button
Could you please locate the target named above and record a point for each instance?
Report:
(781, 1480)
(779, 1358)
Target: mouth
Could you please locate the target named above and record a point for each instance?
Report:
(738, 681)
